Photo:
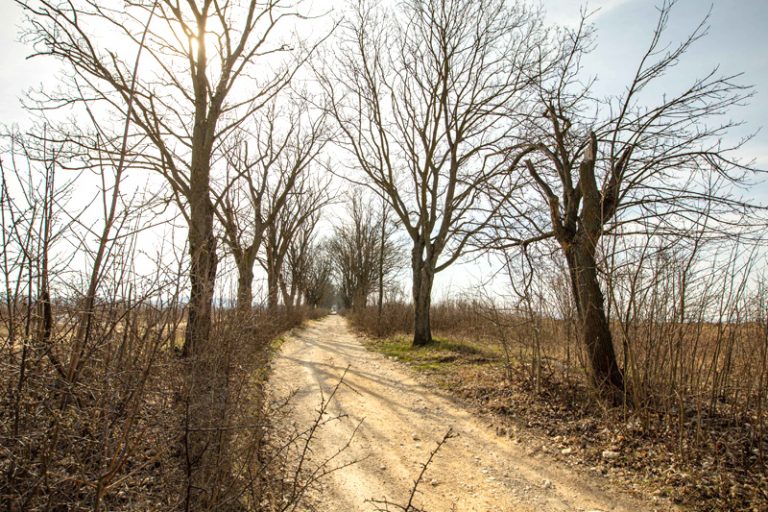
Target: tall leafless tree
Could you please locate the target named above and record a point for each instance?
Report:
(265, 166)
(364, 253)
(301, 212)
(318, 285)
(419, 96)
(620, 165)
(297, 263)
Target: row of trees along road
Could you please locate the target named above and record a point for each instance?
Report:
(478, 124)
(364, 253)
(268, 193)
(199, 86)
(473, 119)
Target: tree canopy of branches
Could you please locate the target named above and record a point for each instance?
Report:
(293, 278)
(419, 96)
(318, 285)
(362, 250)
(294, 224)
(265, 167)
(183, 100)
(620, 166)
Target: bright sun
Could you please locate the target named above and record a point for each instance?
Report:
(187, 42)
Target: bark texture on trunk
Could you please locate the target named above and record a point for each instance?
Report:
(287, 293)
(202, 247)
(202, 240)
(423, 277)
(204, 262)
(580, 251)
(578, 233)
(273, 289)
(245, 284)
(382, 242)
(359, 300)
(605, 372)
(208, 475)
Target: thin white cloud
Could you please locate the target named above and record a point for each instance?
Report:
(568, 12)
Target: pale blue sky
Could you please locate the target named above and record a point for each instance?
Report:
(737, 41)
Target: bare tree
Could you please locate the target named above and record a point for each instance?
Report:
(354, 251)
(364, 253)
(418, 95)
(301, 212)
(618, 166)
(265, 166)
(317, 285)
(198, 53)
(294, 275)
(389, 255)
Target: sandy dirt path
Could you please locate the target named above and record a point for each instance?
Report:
(401, 422)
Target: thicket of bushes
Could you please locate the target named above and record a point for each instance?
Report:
(715, 368)
(104, 422)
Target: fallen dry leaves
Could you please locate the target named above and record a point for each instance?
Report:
(714, 465)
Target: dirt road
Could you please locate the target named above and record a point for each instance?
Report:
(401, 422)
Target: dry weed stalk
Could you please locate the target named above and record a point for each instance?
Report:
(384, 505)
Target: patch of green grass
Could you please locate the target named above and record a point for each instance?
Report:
(276, 344)
(437, 357)
(433, 367)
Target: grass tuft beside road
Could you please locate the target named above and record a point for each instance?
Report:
(443, 359)
(437, 357)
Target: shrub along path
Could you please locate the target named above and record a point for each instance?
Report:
(395, 423)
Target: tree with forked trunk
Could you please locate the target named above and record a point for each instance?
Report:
(265, 167)
(613, 167)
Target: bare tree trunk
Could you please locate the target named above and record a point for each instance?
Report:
(273, 289)
(207, 390)
(570, 258)
(202, 240)
(202, 251)
(287, 299)
(423, 277)
(295, 296)
(605, 372)
(359, 300)
(244, 283)
(382, 243)
(578, 234)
